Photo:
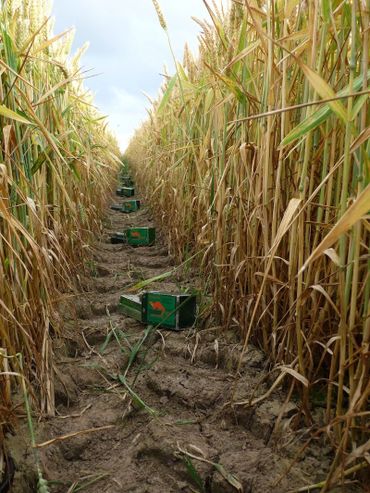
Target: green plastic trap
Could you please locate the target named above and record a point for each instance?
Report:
(126, 181)
(140, 236)
(118, 238)
(127, 206)
(173, 311)
(125, 191)
(135, 237)
(130, 305)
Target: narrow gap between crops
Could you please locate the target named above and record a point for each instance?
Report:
(169, 429)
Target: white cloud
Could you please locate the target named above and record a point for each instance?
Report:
(133, 109)
(129, 48)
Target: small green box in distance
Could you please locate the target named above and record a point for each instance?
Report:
(127, 206)
(135, 237)
(125, 173)
(140, 236)
(130, 206)
(130, 305)
(125, 191)
(117, 238)
(126, 181)
(174, 311)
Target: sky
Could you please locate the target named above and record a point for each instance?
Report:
(128, 49)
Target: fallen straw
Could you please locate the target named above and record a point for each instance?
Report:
(72, 435)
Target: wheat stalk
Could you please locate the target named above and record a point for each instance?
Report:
(160, 15)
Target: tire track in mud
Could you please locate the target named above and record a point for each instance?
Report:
(185, 377)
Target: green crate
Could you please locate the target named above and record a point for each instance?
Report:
(126, 181)
(174, 311)
(117, 238)
(130, 305)
(131, 206)
(135, 237)
(140, 236)
(125, 192)
(127, 206)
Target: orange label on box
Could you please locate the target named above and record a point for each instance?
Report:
(157, 306)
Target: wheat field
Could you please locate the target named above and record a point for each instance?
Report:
(57, 160)
(256, 157)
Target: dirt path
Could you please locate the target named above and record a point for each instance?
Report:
(182, 381)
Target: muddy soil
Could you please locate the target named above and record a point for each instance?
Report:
(166, 426)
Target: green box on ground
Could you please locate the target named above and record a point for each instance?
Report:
(174, 311)
(125, 191)
(130, 305)
(135, 237)
(126, 181)
(127, 206)
(130, 206)
(117, 238)
(140, 236)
